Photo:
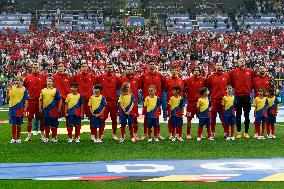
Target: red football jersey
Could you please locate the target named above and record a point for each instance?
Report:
(260, 82)
(134, 83)
(217, 83)
(148, 79)
(192, 86)
(62, 83)
(34, 83)
(110, 84)
(172, 82)
(86, 84)
(242, 81)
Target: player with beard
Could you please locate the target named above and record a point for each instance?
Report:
(34, 83)
(62, 82)
(217, 83)
(241, 79)
(192, 90)
(86, 81)
(262, 80)
(151, 77)
(135, 86)
(110, 85)
(170, 84)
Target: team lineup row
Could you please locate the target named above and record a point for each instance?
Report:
(45, 97)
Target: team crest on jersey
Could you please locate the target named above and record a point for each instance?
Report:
(247, 73)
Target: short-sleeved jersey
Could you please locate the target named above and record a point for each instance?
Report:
(272, 105)
(260, 105)
(50, 99)
(229, 103)
(74, 103)
(97, 103)
(152, 105)
(176, 105)
(17, 96)
(126, 101)
(203, 105)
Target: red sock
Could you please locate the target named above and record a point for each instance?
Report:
(200, 130)
(114, 126)
(135, 125)
(232, 130)
(131, 131)
(29, 128)
(212, 129)
(156, 131)
(145, 126)
(272, 128)
(150, 132)
(209, 132)
(42, 125)
(262, 129)
(101, 132)
(173, 131)
(170, 126)
(254, 124)
(67, 124)
(54, 132)
(19, 129)
(47, 131)
(96, 133)
(14, 132)
(257, 129)
(179, 130)
(70, 130)
(268, 129)
(188, 128)
(77, 131)
(226, 130)
(104, 124)
(123, 131)
(92, 131)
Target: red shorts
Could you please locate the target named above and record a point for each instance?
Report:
(191, 108)
(134, 111)
(33, 109)
(111, 108)
(216, 105)
(86, 108)
(63, 108)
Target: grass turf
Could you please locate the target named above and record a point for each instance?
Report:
(37, 151)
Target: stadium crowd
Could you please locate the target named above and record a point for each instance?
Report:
(49, 47)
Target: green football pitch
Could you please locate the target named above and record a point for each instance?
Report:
(37, 151)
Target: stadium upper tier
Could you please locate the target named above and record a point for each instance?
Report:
(17, 21)
(80, 22)
(180, 23)
(184, 23)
